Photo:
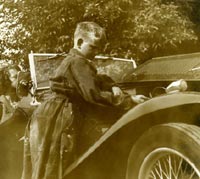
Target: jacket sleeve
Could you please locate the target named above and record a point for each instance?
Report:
(87, 85)
(105, 82)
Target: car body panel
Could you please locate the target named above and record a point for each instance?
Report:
(171, 102)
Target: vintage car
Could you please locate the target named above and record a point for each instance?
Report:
(158, 139)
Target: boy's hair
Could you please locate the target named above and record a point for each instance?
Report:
(90, 31)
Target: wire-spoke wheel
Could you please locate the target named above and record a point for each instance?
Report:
(167, 164)
(168, 151)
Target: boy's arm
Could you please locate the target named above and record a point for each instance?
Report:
(105, 82)
(86, 83)
(87, 86)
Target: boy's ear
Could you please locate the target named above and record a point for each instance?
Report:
(79, 43)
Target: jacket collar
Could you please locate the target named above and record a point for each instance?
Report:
(73, 51)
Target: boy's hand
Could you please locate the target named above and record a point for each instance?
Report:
(116, 91)
(139, 98)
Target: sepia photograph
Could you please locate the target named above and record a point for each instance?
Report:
(100, 89)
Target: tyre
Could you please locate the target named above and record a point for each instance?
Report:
(1, 110)
(168, 151)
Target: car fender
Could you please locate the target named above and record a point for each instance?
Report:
(137, 114)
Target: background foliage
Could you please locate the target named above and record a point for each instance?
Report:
(139, 29)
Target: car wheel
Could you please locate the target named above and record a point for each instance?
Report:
(168, 151)
(1, 110)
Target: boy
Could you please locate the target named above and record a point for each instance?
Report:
(50, 139)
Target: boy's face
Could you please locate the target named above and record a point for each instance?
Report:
(89, 49)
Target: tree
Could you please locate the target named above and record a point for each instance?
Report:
(161, 29)
(12, 34)
(140, 29)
